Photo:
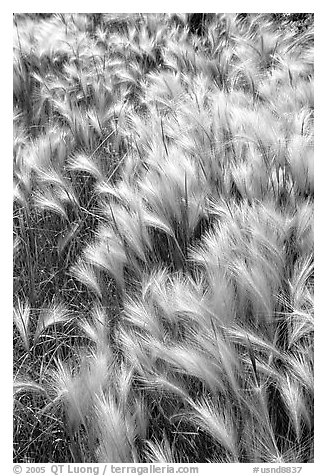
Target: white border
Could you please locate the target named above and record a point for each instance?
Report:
(320, 200)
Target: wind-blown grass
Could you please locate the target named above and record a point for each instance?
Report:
(163, 238)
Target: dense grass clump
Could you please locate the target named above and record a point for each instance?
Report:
(163, 238)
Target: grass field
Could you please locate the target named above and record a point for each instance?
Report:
(163, 238)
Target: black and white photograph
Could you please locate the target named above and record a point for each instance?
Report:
(163, 238)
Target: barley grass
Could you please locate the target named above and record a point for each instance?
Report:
(163, 238)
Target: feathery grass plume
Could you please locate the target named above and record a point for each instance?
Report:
(240, 335)
(115, 431)
(129, 227)
(97, 329)
(46, 158)
(63, 387)
(299, 321)
(75, 392)
(143, 315)
(86, 274)
(22, 314)
(215, 421)
(197, 364)
(301, 327)
(300, 156)
(25, 386)
(160, 451)
(178, 297)
(149, 355)
(47, 155)
(247, 250)
(85, 164)
(299, 233)
(122, 245)
(165, 91)
(22, 182)
(173, 192)
(108, 255)
(220, 351)
(301, 367)
(80, 395)
(163, 180)
(295, 402)
(55, 314)
(167, 385)
(301, 286)
(48, 200)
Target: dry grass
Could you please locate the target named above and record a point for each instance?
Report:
(163, 238)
